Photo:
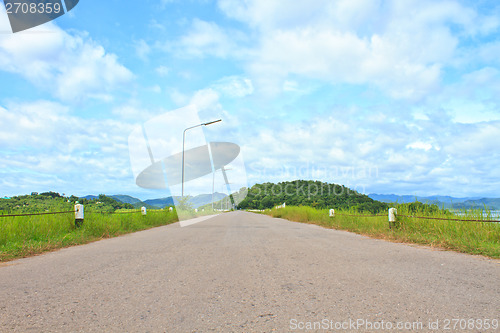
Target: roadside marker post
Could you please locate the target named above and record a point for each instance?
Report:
(143, 210)
(392, 217)
(78, 215)
(332, 212)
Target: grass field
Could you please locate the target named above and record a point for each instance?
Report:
(461, 236)
(30, 235)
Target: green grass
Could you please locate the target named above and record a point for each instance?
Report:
(461, 236)
(30, 235)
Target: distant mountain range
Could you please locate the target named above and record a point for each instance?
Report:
(446, 201)
(197, 201)
(204, 199)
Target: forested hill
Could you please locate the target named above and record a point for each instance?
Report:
(309, 193)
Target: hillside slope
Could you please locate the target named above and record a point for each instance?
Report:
(309, 193)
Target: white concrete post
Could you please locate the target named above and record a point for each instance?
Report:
(78, 215)
(332, 212)
(170, 209)
(392, 216)
(143, 210)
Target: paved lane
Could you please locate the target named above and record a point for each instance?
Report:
(243, 272)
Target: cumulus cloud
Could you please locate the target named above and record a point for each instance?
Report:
(234, 86)
(401, 47)
(48, 146)
(162, 70)
(473, 97)
(205, 39)
(142, 49)
(425, 157)
(72, 67)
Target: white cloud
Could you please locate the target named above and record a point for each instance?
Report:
(142, 49)
(475, 140)
(162, 71)
(433, 157)
(205, 99)
(205, 39)
(296, 88)
(72, 67)
(156, 25)
(474, 97)
(419, 145)
(179, 98)
(208, 98)
(131, 110)
(348, 55)
(43, 147)
(234, 86)
(344, 57)
(400, 47)
(156, 89)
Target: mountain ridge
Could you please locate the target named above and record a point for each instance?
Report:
(159, 203)
(441, 200)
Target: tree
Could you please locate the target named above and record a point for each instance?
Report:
(184, 204)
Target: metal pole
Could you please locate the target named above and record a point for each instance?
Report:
(183, 141)
(213, 188)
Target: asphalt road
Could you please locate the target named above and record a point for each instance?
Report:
(243, 272)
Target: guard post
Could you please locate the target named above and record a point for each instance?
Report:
(78, 215)
(392, 217)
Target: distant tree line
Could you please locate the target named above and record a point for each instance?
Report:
(52, 201)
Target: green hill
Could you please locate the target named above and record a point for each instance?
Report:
(160, 202)
(309, 193)
(126, 199)
(488, 203)
(205, 199)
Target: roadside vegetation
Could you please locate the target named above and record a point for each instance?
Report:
(482, 238)
(22, 236)
(54, 202)
(306, 201)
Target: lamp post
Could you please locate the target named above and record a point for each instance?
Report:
(184, 139)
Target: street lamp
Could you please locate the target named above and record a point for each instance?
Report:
(184, 139)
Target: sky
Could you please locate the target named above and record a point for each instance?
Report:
(384, 97)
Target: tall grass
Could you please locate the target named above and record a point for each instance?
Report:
(468, 237)
(29, 235)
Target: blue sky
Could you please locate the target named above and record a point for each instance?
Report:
(382, 96)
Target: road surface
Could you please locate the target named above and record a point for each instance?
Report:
(244, 272)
